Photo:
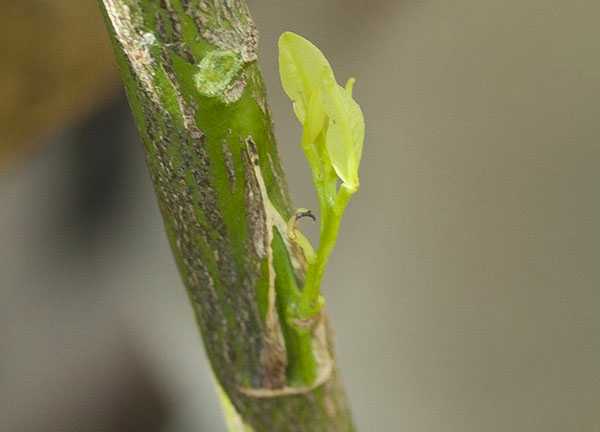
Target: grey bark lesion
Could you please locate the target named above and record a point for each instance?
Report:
(227, 25)
(135, 43)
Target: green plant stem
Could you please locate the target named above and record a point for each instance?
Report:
(213, 160)
(332, 205)
(301, 368)
(310, 303)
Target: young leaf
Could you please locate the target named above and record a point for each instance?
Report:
(302, 66)
(346, 130)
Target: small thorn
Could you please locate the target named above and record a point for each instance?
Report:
(302, 213)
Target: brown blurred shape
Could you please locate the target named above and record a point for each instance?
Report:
(57, 65)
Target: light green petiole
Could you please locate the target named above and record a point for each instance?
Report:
(310, 301)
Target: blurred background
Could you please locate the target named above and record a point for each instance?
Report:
(464, 289)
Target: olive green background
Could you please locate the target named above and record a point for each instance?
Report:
(465, 288)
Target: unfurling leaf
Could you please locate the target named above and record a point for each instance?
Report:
(346, 130)
(308, 80)
(302, 66)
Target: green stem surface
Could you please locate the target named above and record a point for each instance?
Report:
(197, 95)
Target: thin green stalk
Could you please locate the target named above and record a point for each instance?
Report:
(310, 303)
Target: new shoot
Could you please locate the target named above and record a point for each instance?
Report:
(332, 140)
